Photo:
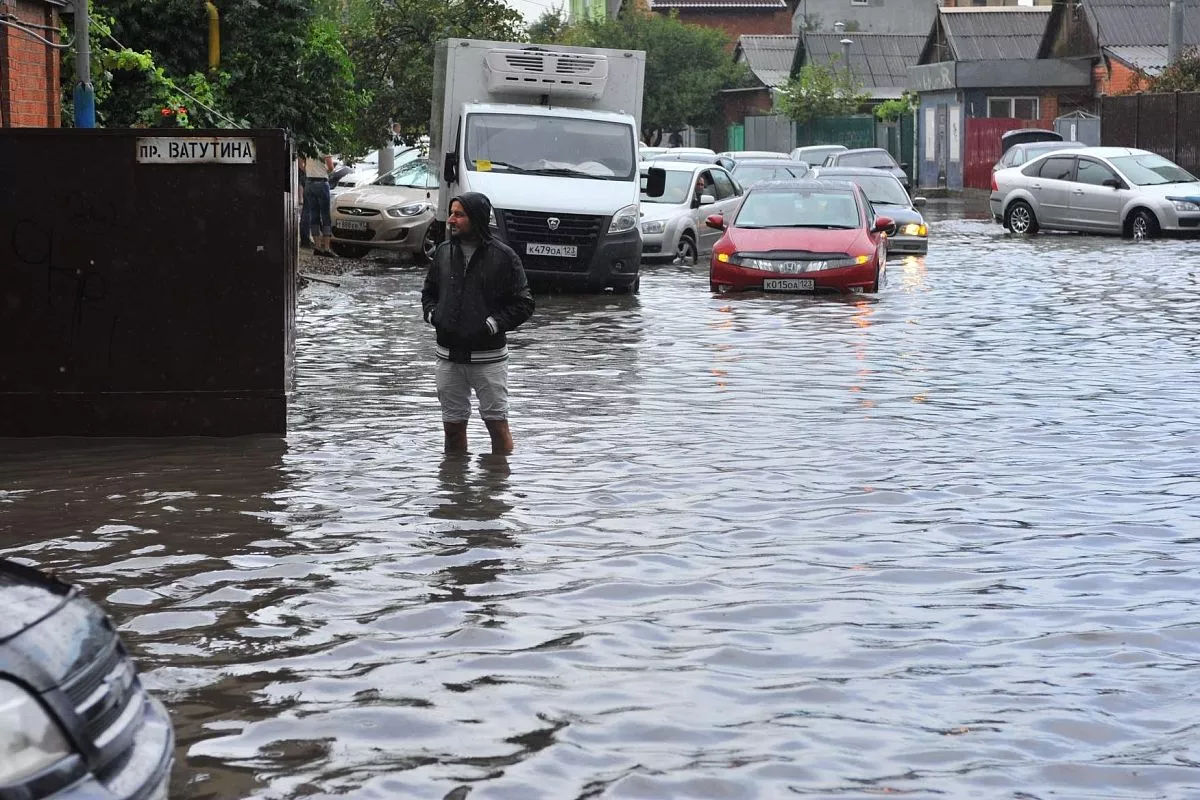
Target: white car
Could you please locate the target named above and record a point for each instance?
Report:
(394, 213)
(365, 171)
(673, 224)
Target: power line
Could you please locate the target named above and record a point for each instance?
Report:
(7, 20)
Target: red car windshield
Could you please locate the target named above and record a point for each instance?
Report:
(816, 208)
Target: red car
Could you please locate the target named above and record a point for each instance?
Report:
(801, 236)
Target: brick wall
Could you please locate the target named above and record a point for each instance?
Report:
(1112, 77)
(735, 23)
(29, 70)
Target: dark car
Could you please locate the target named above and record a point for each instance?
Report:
(75, 722)
(750, 171)
(871, 158)
(1018, 154)
(889, 199)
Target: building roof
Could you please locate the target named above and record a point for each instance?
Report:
(1139, 23)
(1150, 59)
(742, 5)
(770, 58)
(879, 61)
(986, 33)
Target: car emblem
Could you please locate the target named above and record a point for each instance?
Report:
(553, 223)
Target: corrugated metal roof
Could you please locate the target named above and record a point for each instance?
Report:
(1150, 59)
(991, 33)
(1132, 23)
(877, 60)
(769, 57)
(750, 5)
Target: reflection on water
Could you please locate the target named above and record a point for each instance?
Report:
(936, 542)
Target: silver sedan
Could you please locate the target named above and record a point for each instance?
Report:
(1116, 190)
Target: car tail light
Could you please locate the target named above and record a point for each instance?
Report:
(995, 186)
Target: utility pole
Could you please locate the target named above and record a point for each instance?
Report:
(1175, 32)
(85, 94)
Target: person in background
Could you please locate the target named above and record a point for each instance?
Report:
(474, 293)
(305, 225)
(316, 202)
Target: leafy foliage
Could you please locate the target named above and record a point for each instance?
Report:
(893, 110)
(821, 91)
(551, 27)
(1182, 76)
(686, 65)
(393, 56)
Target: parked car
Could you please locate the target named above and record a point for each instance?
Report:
(393, 213)
(1020, 154)
(889, 198)
(683, 154)
(1115, 190)
(801, 236)
(871, 157)
(672, 224)
(75, 721)
(739, 155)
(815, 154)
(364, 172)
(750, 171)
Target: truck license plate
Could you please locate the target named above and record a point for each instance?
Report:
(558, 250)
(352, 224)
(789, 284)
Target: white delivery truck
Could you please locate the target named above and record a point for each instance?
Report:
(550, 135)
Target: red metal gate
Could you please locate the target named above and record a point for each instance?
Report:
(983, 147)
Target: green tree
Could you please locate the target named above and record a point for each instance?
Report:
(550, 28)
(393, 56)
(283, 65)
(820, 91)
(1182, 76)
(892, 110)
(686, 66)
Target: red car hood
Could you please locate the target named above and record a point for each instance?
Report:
(817, 240)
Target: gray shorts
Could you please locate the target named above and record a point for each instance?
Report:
(454, 385)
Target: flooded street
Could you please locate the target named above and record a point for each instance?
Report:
(939, 542)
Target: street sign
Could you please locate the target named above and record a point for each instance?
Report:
(195, 150)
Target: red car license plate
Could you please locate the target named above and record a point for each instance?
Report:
(789, 284)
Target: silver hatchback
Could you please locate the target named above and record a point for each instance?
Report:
(1116, 190)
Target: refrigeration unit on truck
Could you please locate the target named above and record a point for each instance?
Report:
(550, 135)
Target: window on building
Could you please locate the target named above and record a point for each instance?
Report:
(859, 2)
(1013, 107)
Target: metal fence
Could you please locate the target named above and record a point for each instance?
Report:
(1167, 124)
(984, 147)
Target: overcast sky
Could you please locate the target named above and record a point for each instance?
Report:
(532, 9)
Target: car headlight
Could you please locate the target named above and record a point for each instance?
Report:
(790, 267)
(624, 220)
(1184, 205)
(30, 740)
(914, 229)
(410, 210)
(654, 226)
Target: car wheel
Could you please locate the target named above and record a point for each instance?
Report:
(1142, 225)
(629, 288)
(429, 244)
(350, 250)
(1020, 219)
(685, 251)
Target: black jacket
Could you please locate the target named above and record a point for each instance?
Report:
(459, 299)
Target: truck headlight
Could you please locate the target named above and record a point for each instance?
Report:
(30, 740)
(492, 219)
(654, 226)
(410, 210)
(1184, 205)
(624, 220)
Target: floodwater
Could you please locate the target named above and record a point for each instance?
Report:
(941, 542)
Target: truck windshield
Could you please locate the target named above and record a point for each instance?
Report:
(537, 145)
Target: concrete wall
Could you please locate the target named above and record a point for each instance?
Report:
(873, 16)
(29, 70)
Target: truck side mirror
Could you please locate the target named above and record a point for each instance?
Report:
(654, 182)
(450, 168)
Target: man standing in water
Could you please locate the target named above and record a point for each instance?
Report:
(474, 293)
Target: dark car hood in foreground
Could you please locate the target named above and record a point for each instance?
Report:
(901, 215)
(26, 596)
